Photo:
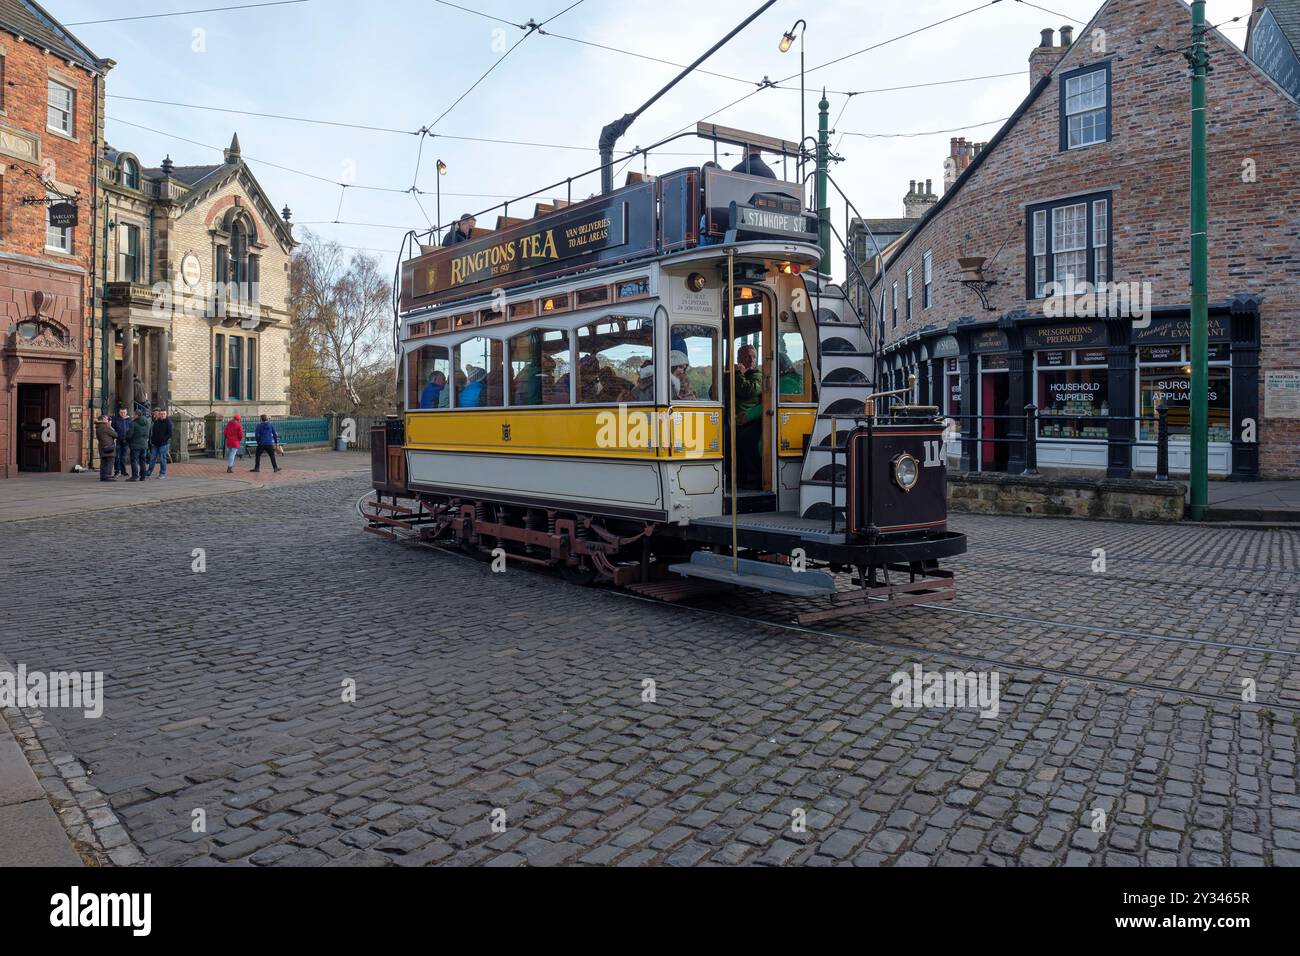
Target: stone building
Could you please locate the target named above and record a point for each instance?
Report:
(198, 287)
(871, 240)
(1088, 182)
(51, 123)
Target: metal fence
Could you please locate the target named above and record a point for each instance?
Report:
(291, 431)
(1022, 434)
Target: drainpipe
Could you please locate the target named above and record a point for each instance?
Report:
(1200, 436)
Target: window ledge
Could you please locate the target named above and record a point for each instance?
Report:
(61, 134)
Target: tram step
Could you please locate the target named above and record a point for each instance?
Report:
(758, 575)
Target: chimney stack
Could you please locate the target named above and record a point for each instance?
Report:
(1044, 57)
(916, 202)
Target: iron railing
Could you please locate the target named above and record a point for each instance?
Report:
(1028, 439)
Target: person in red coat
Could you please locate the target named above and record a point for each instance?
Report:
(234, 441)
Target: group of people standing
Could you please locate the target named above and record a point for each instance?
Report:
(145, 441)
(142, 442)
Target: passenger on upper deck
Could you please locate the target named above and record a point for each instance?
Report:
(462, 231)
(753, 164)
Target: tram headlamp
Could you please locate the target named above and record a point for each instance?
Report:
(695, 282)
(907, 471)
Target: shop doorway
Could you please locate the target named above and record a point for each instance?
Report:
(37, 442)
(995, 405)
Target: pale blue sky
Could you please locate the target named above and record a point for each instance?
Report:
(401, 63)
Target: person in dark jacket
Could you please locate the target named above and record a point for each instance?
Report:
(137, 439)
(160, 443)
(121, 423)
(462, 231)
(267, 439)
(107, 438)
(753, 164)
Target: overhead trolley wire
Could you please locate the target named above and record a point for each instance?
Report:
(183, 13)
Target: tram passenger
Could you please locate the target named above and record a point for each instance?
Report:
(471, 396)
(705, 238)
(753, 164)
(748, 415)
(429, 396)
(679, 386)
(644, 391)
(462, 231)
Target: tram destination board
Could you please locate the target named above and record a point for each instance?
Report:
(617, 226)
(750, 221)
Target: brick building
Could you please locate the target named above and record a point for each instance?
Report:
(1089, 180)
(51, 123)
(198, 287)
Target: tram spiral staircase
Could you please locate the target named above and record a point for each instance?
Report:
(846, 375)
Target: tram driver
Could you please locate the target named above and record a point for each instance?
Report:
(748, 416)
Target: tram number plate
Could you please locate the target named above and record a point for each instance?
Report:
(770, 222)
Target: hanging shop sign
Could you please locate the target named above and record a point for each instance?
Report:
(63, 215)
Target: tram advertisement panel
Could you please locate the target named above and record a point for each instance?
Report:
(613, 226)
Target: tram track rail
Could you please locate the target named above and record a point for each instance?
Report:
(1253, 569)
(963, 656)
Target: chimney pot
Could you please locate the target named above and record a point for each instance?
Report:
(911, 187)
(1067, 35)
(928, 190)
(1047, 38)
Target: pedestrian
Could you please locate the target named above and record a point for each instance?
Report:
(121, 423)
(267, 439)
(160, 442)
(234, 441)
(107, 436)
(137, 438)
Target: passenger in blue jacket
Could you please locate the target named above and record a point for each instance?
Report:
(267, 439)
(121, 423)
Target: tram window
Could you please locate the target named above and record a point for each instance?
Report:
(692, 363)
(427, 377)
(792, 368)
(634, 288)
(616, 361)
(478, 373)
(539, 367)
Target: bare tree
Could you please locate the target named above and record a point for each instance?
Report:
(342, 310)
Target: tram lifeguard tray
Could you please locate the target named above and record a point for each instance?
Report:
(758, 575)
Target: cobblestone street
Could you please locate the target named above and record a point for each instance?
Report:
(1121, 736)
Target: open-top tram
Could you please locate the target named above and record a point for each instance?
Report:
(655, 387)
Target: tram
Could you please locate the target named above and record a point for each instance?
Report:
(656, 388)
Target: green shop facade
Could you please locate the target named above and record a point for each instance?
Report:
(1094, 385)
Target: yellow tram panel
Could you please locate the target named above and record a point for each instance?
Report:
(794, 424)
(635, 432)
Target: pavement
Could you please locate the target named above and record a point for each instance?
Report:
(30, 831)
(314, 695)
(1261, 501)
(48, 495)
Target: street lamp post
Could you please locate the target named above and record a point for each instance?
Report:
(787, 40)
(442, 171)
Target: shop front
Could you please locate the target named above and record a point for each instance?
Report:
(1095, 386)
